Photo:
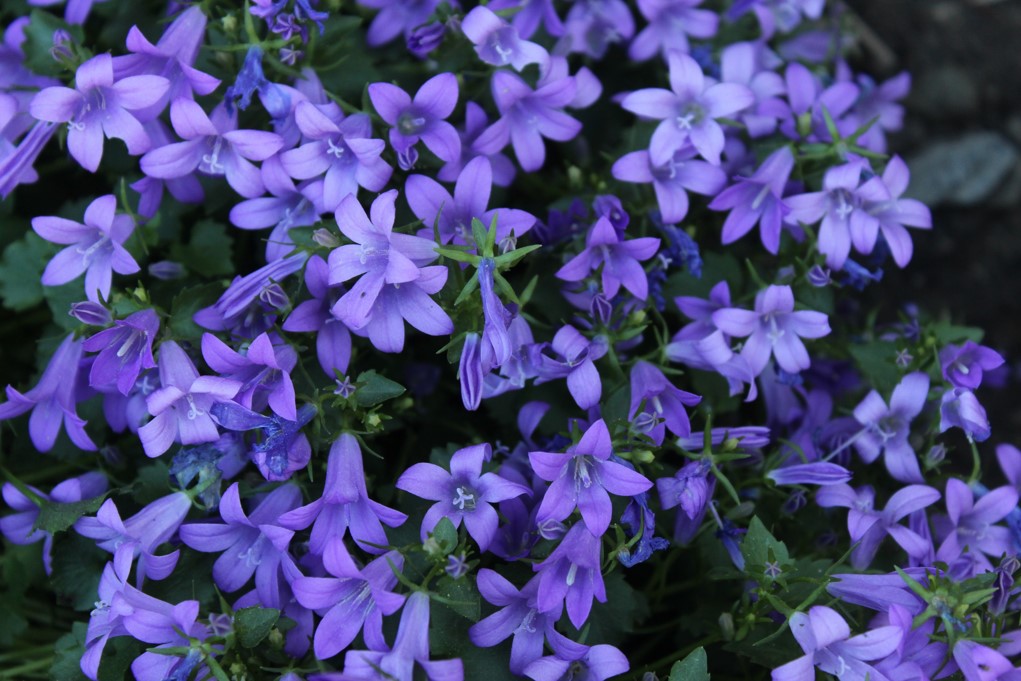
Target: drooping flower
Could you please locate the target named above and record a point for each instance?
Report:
(465, 493)
(689, 111)
(95, 248)
(692, 489)
(422, 117)
(774, 328)
(963, 365)
(582, 478)
(959, 408)
(98, 107)
(180, 406)
(52, 401)
(619, 260)
(245, 307)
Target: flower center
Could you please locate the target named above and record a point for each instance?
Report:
(465, 499)
(193, 411)
(409, 123)
(211, 161)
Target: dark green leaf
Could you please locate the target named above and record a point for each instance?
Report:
(77, 567)
(39, 40)
(461, 596)
(877, 361)
(20, 269)
(375, 389)
(252, 625)
(184, 307)
(694, 667)
(759, 546)
(56, 517)
(208, 252)
(67, 654)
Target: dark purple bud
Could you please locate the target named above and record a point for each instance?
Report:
(470, 372)
(601, 309)
(274, 297)
(62, 46)
(819, 276)
(425, 39)
(1004, 584)
(167, 270)
(90, 313)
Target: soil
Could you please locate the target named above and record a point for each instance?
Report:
(965, 61)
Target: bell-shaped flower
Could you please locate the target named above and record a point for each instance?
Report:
(263, 372)
(154, 525)
(180, 407)
(52, 401)
(959, 408)
(970, 526)
(344, 151)
(124, 351)
(757, 200)
(964, 365)
(213, 145)
(572, 574)
(251, 544)
(422, 117)
(19, 527)
(98, 107)
(662, 404)
(352, 601)
(579, 663)
(452, 215)
(344, 505)
(688, 111)
(465, 493)
(411, 647)
(886, 429)
(95, 248)
(582, 478)
(245, 307)
(333, 339)
(498, 43)
(826, 639)
(282, 448)
(692, 489)
(671, 180)
(868, 527)
(774, 328)
(620, 260)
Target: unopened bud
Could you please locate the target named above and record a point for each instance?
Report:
(90, 313)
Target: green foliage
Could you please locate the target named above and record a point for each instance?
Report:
(374, 389)
(694, 667)
(20, 269)
(208, 251)
(77, 568)
(252, 625)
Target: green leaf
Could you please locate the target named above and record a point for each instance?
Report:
(56, 517)
(77, 567)
(252, 625)
(375, 389)
(877, 361)
(20, 269)
(12, 623)
(445, 535)
(950, 333)
(39, 40)
(694, 667)
(67, 654)
(759, 547)
(208, 252)
(186, 304)
(461, 596)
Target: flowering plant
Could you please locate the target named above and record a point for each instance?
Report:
(439, 347)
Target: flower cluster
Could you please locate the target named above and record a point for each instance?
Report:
(481, 403)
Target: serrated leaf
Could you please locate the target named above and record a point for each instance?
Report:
(445, 534)
(759, 546)
(208, 252)
(694, 667)
(20, 270)
(56, 517)
(252, 625)
(376, 389)
(186, 304)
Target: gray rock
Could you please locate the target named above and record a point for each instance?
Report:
(962, 172)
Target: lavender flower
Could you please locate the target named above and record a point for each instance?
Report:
(757, 200)
(894, 214)
(52, 401)
(421, 117)
(96, 248)
(619, 259)
(670, 24)
(475, 123)
(263, 372)
(969, 525)
(579, 663)
(465, 493)
(99, 107)
(571, 572)
(497, 42)
(671, 180)
(582, 477)
(124, 351)
(963, 365)
(774, 328)
(886, 429)
(578, 365)
(961, 409)
(180, 407)
(333, 339)
(663, 404)
(283, 448)
(690, 111)
(242, 307)
(692, 489)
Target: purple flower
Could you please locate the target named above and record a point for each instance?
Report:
(518, 616)
(774, 328)
(981, 663)
(19, 527)
(185, 189)
(497, 42)
(689, 112)
(452, 215)
(579, 663)
(640, 522)
(180, 407)
(692, 489)
(877, 101)
(592, 26)
(868, 527)
(578, 365)
(344, 150)
(669, 180)
(333, 340)
(96, 248)
(251, 544)
(171, 57)
(411, 646)
(529, 14)
(663, 404)
(283, 448)
(394, 283)
(812, 473)
(353, 601)
(757, 200)
(421, 117)
(963, 365)
(263, 372)
(100, 107)
(894, 214)
(961, 409)
(124, 351)
(143, 532)
(475, 123)
(826, 639)
(571, 572)
(250, 80)
(582, 478)
(969, 525)
(886, 429)
(527, 116)
(807, 101)
(344, 504)
(52, 401)
(212, 146)
(619, 259)
(749, 63)
(395, 17)
(243, 307)
(670, 24)
(465, 493)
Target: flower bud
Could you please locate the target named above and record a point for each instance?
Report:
(90, 313)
